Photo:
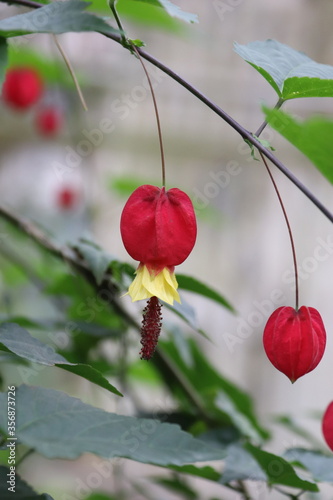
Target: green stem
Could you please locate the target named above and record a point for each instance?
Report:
(264, 124)
(112, 5)
(288, 226)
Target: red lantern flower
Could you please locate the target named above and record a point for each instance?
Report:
(327, 425)
(158, 229)
(294, 340)
(22, 87)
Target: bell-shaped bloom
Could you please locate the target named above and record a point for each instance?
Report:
(158, 229)
(294, 340)
(327, 425)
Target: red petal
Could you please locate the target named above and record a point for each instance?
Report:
(327, 425)
(158, 227)
(295, 341)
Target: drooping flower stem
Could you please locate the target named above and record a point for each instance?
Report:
(151, 327)
(289, 229)
(71, 71)
(159, 130)
(129, 44)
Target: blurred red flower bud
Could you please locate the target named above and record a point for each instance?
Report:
(67, 198)
(294, 340)
(22, 88)
(327, 425)
(49, 120)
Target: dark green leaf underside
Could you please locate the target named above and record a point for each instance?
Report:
(57, 17)
(20, 342)
(320, 465)
(59, 426)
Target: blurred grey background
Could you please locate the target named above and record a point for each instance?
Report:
(243, 249)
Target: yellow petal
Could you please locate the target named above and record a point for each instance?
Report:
(162, 285)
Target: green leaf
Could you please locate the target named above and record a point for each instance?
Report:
(206, 472)
(99, 496)
(3, 60)
(240, 465)
(313, 137)
(59, 426)
(22, 490)
(240, 420)
(8, 357)
(125, 185)
(97, 259)
(178, 486)
(209, 385)
(149, 15)
(188, 314)
(291, 73)
(196, 286)
(20, 342)
(320, 465)
(58, 17)
(172, 9)
(278, 470)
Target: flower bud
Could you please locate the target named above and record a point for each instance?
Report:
(49, 120)
(294, 341)
(22, 88)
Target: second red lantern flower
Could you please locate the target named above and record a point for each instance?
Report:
(295, 340)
